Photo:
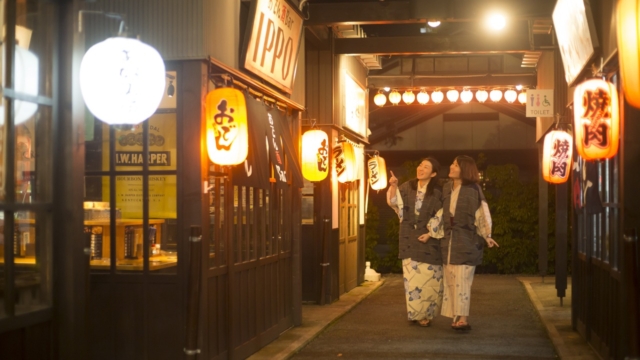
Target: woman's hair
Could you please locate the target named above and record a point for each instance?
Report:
(468, 170)
(433, 182)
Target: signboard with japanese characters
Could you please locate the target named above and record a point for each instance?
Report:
(539, 103)
(354, 106)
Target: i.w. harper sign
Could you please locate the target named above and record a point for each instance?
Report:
(272, 48)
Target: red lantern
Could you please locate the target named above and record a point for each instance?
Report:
(227, 131)
(596, 119)
(556, 157)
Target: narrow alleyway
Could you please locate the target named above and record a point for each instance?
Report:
(505, 326)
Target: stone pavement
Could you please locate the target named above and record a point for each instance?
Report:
(506, 325)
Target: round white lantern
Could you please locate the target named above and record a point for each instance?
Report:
(122, 80)
(423, 97)
(408, 97)
(380, 99)
(25, 82)
(522, 97)
(466, 96)
(495, 95)
(510, 95)
(394, 97)
(482, 96)
(437, 96)
(453, 95)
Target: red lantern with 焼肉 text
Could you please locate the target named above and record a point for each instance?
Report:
(227, 129)
(556, 156)
(315, 155)
(377, 172)
(596, 119)
(344, 161)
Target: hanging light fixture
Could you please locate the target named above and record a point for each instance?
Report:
(596, 119)
(395, 97)
(380, 99)
(466, 96)
(510, 95)
(408, 97)
(377, 172)
(345, 162)
(522, 97)
(423, 97)
(315, 155)
(437, 96)
(25, 81)
(556, 156)
(482, 96)
(227, 129)
(453, 95)
(495, 95)
(628, 23)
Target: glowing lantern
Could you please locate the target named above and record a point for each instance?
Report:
(423, 97)
(495, 95)
(596, 119)
(408, 97)
(344, 161)
(628, 42)
(466, 96)
(315, 155)
(556, 156)
(122, 80)
(522, 98)
(511, 96)
(453, 95)
(437, 96)
(377, 172)
(394, 97)
(380, 99)
(481, 96)
(227, 131)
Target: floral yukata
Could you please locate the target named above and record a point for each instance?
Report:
(421, 263)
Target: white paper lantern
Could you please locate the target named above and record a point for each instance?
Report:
(481, 96)
(408, 97)
(522, 97)
(495, 95)
(466, 96)
(511, 96)
(394, 97)
(122, 80)
(25, 82)
(437, 96)
(423, 97)
(453, 95)
(380, 99)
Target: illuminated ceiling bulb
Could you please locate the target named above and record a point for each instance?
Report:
(453, 95)
(481, 96)
(495, 95)
(522, 97)
(380, 99)
(518, 87)
(466, 96)
(423, 97)
(510, 95)
(496, 21)
(437, 96)
(408, 97)
(433, 23)
(395, 97)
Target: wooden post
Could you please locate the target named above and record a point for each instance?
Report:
(193, 291)
(543, 218)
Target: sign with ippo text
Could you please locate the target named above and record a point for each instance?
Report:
(539, 103)
(272, 49)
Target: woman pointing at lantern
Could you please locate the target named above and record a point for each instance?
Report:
(415, 202)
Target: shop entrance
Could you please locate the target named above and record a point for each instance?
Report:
(348, 236)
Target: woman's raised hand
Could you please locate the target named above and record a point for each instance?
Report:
(393, 180)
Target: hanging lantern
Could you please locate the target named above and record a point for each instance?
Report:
(453, 95)
(315, 155)
(394, 97)
(377, 172)
(26, 82)
(408, 97)
(510, 95)
(522, 98)
(466, 96)
(556, 156)
(122, 80)
(344, 162)
(227, 131)
(380, 99)
(437, 96)
(596, 119)
(423, 97)
(628, 46)
(481, 96)
(495, 95)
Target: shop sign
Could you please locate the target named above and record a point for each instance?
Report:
(271, 50)
(539, 103)
(134, 158)
(354, 106)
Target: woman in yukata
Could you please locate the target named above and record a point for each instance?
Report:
(416, 202)
(464, 224)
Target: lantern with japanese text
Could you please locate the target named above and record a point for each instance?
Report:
(628, 23)
(377, 172)
(315, 155)
(556, 156)
(344, 158)
(227, 130)
(596, 119)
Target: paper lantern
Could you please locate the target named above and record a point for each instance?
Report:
(408, 97)
(481, 96)
(227, 131)
(423, 97)
(510, 95)
(380, 99)
(315, 155)
(596, 119)
(495, 95)
(522, 98)
(556, 156)
(25, 82)
(437, 96)
(122, 80)
(345, 162)
(466, 96)
(453, 95)
(377, 172)
(394, 97)
(628, 30)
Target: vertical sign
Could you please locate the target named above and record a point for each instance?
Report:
(272, 49)
(354, 106)
(539, 103)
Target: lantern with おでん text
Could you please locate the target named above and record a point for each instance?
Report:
(227, 130)
(596, 119)
(315, 155)
(344, 162)
(556, 156)
(377, 172)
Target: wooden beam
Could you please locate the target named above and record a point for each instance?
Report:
(443, 80)
(383, 12)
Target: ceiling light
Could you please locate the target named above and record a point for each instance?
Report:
(433, 23)
(423, 97)
(395, 97)
(453, 95)
(495, 95)
(518, 87)
(466, 96)
(386, 88)
(481, 96)
(522, 97)
(496, 21)
(437, 96)
(380, 99)
(408, 97)
(510, 95)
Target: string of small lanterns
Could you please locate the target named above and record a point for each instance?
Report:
(453, 95)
